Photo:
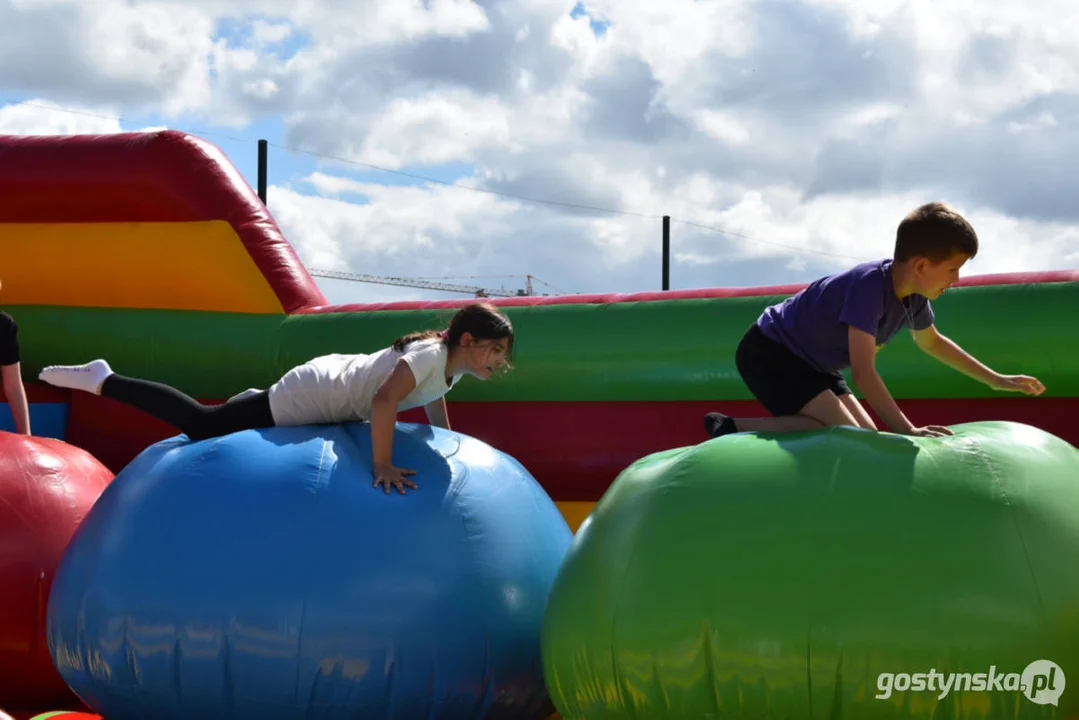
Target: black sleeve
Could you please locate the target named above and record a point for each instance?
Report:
(9, 340)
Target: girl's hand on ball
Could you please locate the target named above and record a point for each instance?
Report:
(387, 475)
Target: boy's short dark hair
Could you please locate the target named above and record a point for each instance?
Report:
(934, 231)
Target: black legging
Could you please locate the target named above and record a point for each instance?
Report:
(194, 419)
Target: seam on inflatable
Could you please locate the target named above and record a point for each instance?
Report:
(1022, 540)
(992, 473)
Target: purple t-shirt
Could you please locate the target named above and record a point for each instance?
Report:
(813, 323)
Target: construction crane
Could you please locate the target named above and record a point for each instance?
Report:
(426, 284)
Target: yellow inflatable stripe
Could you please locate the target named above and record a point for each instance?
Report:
(575, 512)
(175, 266)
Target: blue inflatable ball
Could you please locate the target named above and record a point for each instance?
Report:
(261, 575)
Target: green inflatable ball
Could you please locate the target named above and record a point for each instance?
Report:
(838, 573)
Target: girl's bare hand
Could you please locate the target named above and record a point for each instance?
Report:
(387, 475)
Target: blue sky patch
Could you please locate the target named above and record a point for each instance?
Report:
(599, 27)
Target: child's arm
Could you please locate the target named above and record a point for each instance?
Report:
(938, 346)
(15, 393)
(383, 421)
(438, 414)
(863, 367)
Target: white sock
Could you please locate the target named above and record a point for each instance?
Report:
(87, 378)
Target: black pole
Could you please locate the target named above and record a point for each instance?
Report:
(666, 252)
(262, 170)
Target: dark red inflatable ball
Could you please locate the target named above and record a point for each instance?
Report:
(46, 488)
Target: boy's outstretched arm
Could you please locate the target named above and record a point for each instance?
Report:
(863, 367)
(938, 346)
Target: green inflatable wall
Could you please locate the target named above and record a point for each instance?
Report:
(651, 350)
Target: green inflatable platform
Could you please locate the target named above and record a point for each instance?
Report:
(838, 573)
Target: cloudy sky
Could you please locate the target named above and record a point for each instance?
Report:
(483, 140)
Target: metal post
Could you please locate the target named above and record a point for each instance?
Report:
(666, 252)
(262, 170)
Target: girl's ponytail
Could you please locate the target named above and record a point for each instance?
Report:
(482, 321)
(403, 342)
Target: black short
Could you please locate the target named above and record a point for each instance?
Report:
(782, 381)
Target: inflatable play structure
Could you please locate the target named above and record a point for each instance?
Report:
(151, 251)
(179, 592)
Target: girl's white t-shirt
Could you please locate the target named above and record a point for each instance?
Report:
(340, 388)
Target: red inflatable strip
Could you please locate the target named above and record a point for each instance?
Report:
(1023, 278)
(39, 392)
(574, 449)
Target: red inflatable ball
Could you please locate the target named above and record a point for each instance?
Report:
(46, 488)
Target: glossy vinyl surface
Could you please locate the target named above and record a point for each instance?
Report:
(758, 576)
(261, 575)
(46, 488)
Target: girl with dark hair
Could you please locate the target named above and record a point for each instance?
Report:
(416, 370)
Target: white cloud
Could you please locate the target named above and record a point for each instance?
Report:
(434, 129)
(722, 126)
(107, 52)
(270, 33)
(400, 232)
(41, 117)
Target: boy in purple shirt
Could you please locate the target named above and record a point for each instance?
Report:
(792, 357)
